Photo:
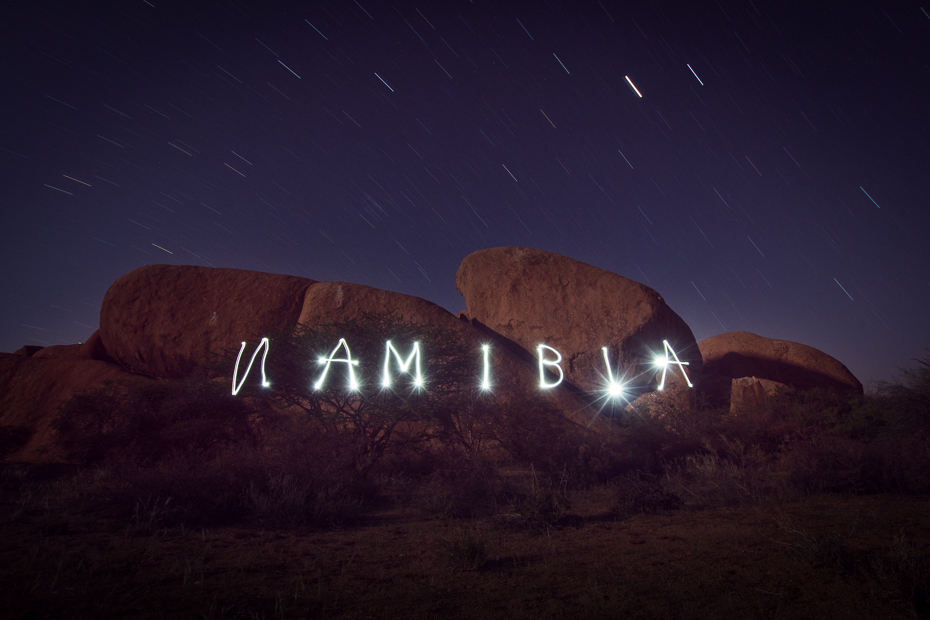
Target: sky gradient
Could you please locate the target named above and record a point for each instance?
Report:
(762, 165)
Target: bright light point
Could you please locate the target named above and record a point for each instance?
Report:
(543, 384)
(661, 361)
(615, 390)
(263, 344)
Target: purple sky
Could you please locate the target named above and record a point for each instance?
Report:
(772, 176)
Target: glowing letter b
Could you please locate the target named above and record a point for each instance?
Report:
(543, 384)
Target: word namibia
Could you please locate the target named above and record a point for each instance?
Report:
(548, 359)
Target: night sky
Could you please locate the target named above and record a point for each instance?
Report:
(762, 165)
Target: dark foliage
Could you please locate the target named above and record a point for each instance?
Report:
(151, 422)
(373, 417)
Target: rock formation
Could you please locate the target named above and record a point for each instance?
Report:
(33, 387)
(534, 297)
(164, 320)
(742, 354)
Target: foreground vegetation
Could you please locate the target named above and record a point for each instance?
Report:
(188, 502)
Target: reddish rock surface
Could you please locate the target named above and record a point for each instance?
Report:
(742, 354)
(751, 395)
(514, 380)
(535, 297)
(32, 389)
(167, 320)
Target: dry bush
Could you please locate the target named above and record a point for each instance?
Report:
(831, 463)
(642, 493)
(459, 486)
(152, 422)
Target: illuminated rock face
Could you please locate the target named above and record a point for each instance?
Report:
(742, 354)
(535, 297)
(165, 320)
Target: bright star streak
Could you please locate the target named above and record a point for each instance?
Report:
(385, 83)
(624, 158)
(633, 86)
(312, 26)
(870, 198)
(696, 76)
(289, 69)
(560, 62)
(844, 290)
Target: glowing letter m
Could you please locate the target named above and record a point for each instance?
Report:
(404, 366)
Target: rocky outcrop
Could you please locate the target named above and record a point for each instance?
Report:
(534, 297)
(165, 320)
(742, 354)
(32, 388)
(749, 395)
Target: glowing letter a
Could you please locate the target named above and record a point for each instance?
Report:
(665, 363)
(236, 388)
(543, 384)
(351, 363)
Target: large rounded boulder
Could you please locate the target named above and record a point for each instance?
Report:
(167, 320)
(743, 354)
(534, 297)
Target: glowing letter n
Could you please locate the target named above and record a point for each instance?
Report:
(404, 366)
(665, 362)
(351, 363)
(543, 384)
(236, 388)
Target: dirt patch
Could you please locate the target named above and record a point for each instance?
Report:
(745, 561)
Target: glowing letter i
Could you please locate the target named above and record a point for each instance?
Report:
(486, 376)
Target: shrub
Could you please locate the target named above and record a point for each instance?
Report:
(642, 493)
(459, 486)
(293, 480)
(745, 476)
(467, 549)
(907, 400)
(545, 503)
(152, 422)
